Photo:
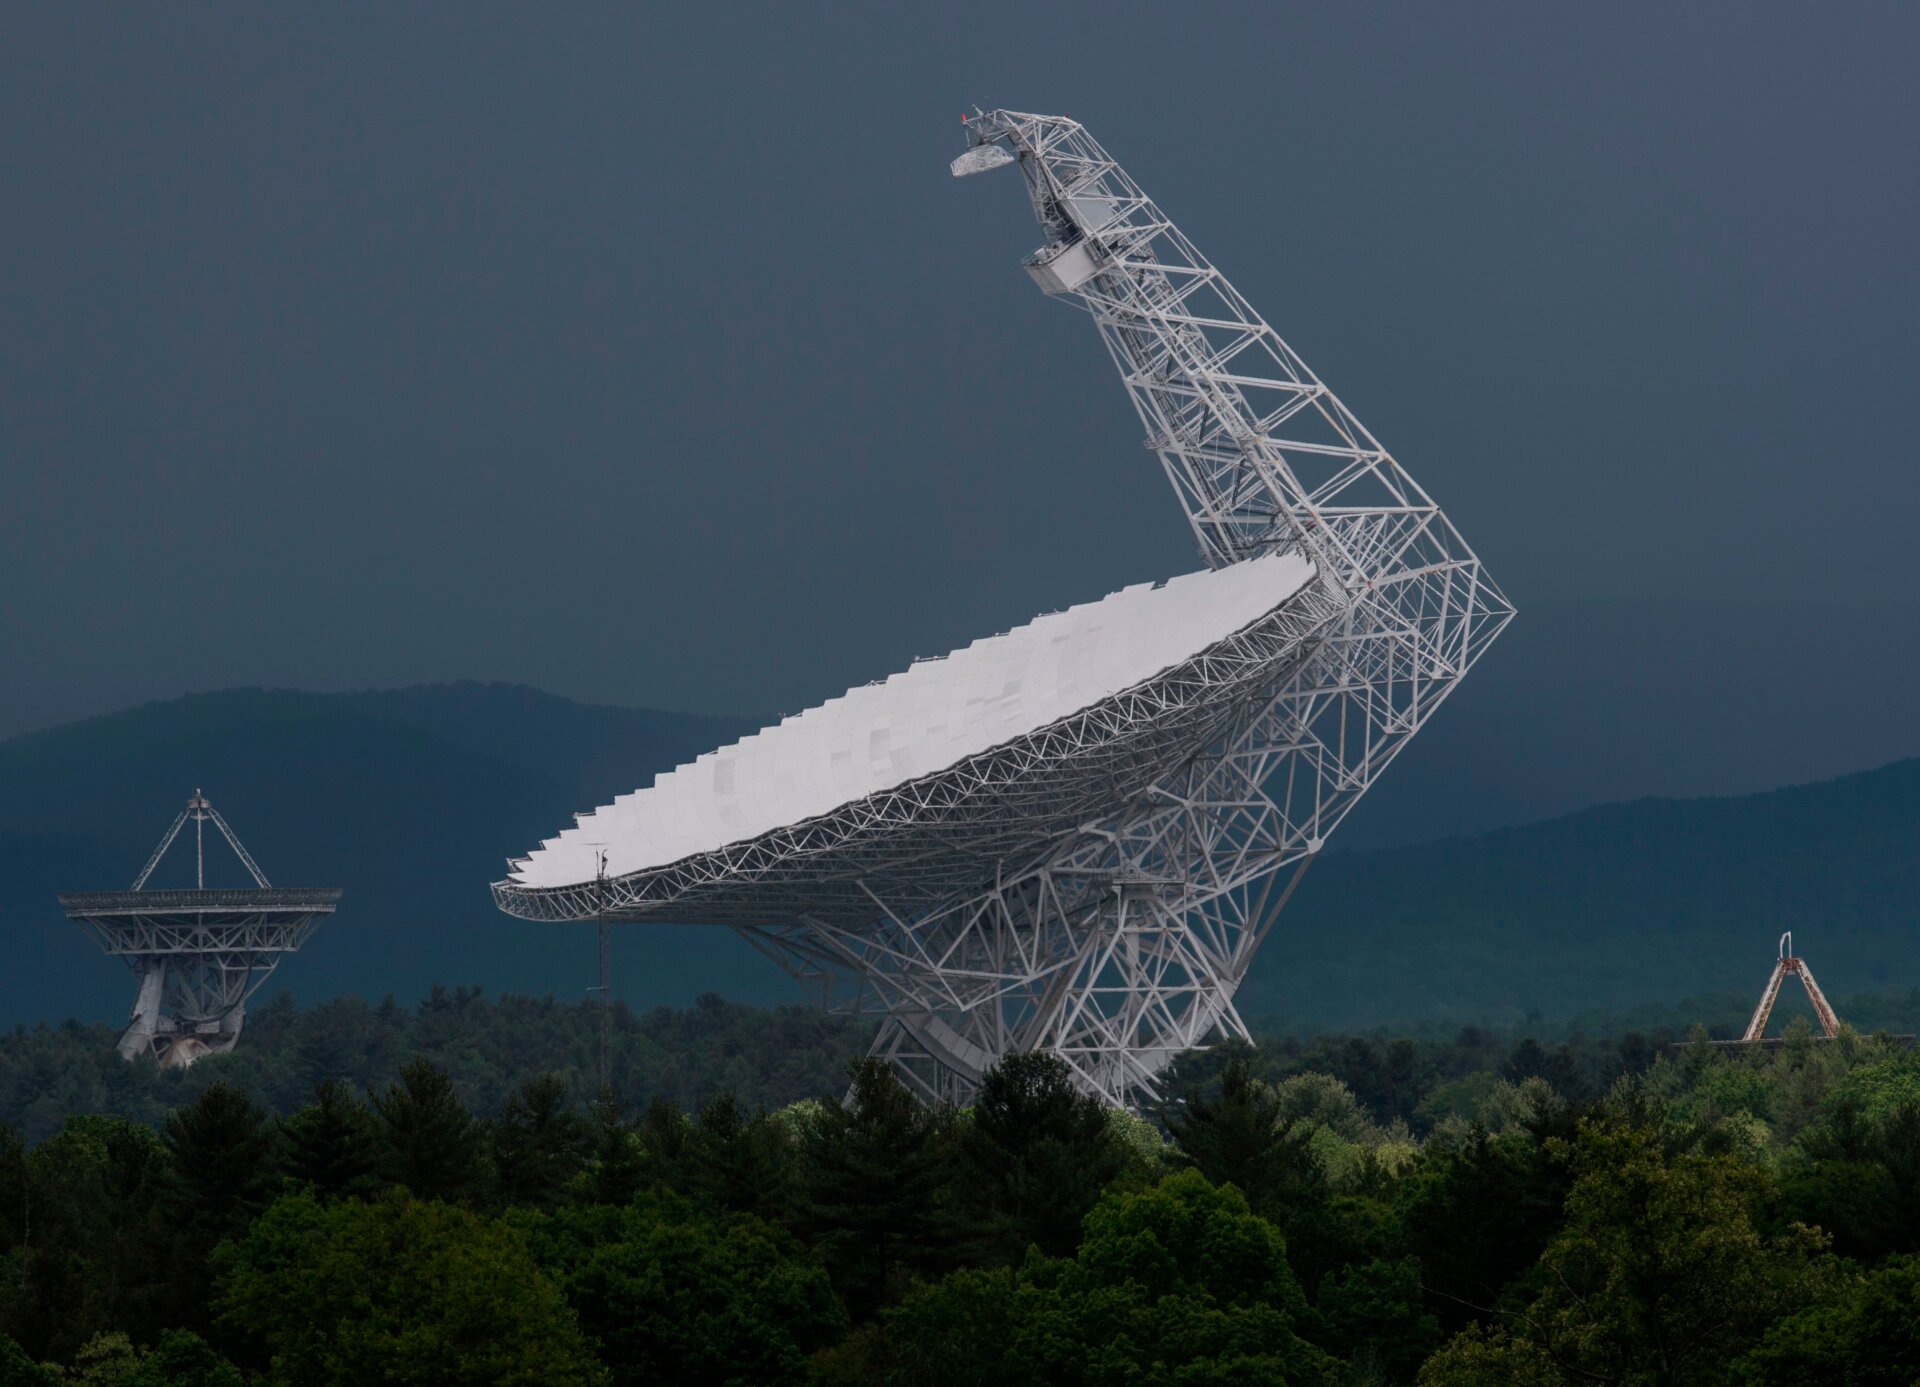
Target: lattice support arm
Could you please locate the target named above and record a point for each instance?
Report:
(239, 850)
(166, 841)
(1098, 886)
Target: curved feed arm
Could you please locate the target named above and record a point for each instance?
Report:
(1261, 454)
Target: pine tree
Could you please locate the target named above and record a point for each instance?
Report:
(432, 1146)
(619, 1169)
(14, 1206)
(1242, 1140)
(223, 1148)
(539, 1141)
(737, 1159)
(1039, 1152)
(18, 1370)
(332, 1143)
(662, 1138)
(879, 1168)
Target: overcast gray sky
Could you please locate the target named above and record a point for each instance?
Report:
(653, 357)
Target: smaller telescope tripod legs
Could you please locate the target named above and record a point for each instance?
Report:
(138, 1038)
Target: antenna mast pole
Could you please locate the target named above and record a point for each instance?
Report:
(140, 882)
(606, 971)
(606, 1007)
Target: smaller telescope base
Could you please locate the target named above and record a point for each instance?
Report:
(175, 1044)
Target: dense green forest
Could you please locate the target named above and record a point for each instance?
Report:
(766, 1057)
(773, 1056)
(431, 1194)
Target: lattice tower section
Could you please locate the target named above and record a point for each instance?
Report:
(1125, 943)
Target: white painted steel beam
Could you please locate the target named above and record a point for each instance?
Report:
(199, 953)
(1096, 881)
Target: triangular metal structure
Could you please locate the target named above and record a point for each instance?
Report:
(200, 809)
(1789, 965)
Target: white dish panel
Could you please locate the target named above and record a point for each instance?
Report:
(925, 719)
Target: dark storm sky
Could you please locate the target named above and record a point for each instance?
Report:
(652, 357)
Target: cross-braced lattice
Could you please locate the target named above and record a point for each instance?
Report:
(200, 953)
(1098, 887)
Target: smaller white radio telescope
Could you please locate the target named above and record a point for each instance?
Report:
(199, 953)
(1074, 835)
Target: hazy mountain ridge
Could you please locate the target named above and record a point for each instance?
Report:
(412, 799)
(1597, 702)
(1649, 900)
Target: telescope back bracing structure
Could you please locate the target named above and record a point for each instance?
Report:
(200, 953)
(1073, 836)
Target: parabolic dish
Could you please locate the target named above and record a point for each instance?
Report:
(1011, 738)
(155, 922)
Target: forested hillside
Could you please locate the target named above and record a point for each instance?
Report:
(1650, 900)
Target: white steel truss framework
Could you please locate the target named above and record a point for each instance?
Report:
(1098, 887)
(200, 953)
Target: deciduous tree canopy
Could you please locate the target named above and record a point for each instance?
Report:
(1469, 1209)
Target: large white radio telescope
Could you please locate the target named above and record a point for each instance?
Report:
(1073, 836)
